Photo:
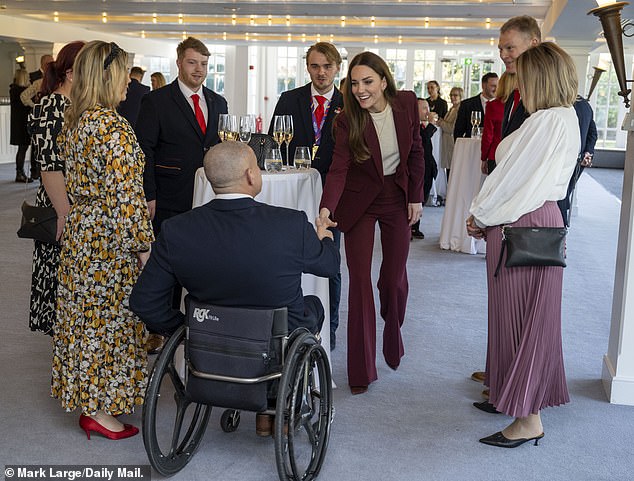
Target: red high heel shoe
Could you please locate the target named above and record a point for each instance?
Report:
(89, 424)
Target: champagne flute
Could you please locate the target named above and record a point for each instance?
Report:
(288, 135)
(246, 127)
(233, 129)
(223, 122)
(302, 158)
(475, 121)
(273, 161)
(278, 129)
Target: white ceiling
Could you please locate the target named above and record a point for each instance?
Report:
(449, 21)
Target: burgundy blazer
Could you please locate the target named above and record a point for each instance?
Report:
(351, 187)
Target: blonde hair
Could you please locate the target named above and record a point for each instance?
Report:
(100, 74)
(547, 77)
(21, 78)
(459, 90)
(160, 79)
(506, 85)
(524, 24)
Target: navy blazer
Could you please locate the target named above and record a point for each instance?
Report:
(516, 120)
(298, 103)
(587, 127)
(174, 144)
(462, 127)
(130, 107)
(233, 253)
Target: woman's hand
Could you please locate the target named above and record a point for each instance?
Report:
(143, 258)
(473, 230)
(414, 213)
(61, 222)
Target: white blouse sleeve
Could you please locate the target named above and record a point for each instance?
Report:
(534, 165)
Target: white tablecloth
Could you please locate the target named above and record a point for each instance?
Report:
(439, 187)
(464, 183)
(295, 189)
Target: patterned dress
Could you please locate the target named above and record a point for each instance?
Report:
(99, 360)
(45, 123)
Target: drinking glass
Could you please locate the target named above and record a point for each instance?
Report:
(223, 125)
(302, 158)
(288, 135)
(246, 127)
(278, 129)
(273, 161)
(476, 117)
(233, 131)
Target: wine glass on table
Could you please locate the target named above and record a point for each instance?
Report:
(302, 158)
(233, 131)
(223, 124)
(288, 135)
(476, 117)
(246, 128)
(279, 130)
(273, 161)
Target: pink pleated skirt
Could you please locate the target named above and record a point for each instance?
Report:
(525, 366)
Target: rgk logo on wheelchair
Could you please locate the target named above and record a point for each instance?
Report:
(247, 361)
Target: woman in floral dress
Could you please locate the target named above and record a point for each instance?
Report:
(99, 360)
(45, 123)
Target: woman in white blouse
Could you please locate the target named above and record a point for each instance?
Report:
(525, 369)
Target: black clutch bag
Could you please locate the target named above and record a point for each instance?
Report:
(533, 246)
(261, 145)
(38, 223)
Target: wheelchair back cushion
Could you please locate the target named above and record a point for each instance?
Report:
(235, 342)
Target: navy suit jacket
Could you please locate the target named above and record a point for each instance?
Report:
(130, 107)
(462, 127)
(239, 253)
(516, 120)
(298, 103)
(174, 144)
(587, 127)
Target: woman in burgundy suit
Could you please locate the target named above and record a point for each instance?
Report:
(492, 131)
(376, 176)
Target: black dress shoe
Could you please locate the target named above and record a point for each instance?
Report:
(486, 406)
(21, 178)
(333, 341)
(499, 440)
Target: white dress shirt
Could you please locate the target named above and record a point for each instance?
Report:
(187, 93)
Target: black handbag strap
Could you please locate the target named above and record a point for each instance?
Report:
(497, 269)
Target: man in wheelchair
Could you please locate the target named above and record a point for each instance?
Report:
(235, 251)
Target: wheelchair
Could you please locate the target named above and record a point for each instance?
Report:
(239, 359)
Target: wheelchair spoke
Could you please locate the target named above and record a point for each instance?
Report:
(178, 424)
(176, 380)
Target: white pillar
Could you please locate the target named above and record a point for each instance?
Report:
(236, 78)
(618, 363)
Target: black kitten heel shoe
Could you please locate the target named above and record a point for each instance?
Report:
(499, 440)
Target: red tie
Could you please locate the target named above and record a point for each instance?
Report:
(319, 111)
(199, 114)
(516, 101)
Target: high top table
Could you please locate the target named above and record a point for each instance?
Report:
(465, 181)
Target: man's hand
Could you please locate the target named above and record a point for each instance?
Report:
(484, 167)
(587, 160)
(151, 207)
(414, 213)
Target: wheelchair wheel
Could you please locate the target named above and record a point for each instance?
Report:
(230, 420)
(304, 411)
(173, 425)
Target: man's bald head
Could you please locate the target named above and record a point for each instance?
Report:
(231, 168)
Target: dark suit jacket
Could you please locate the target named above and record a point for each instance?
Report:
(351, 187)
(517, 119)
(587, 127)
(431, 168)
(463, 126)
(174, 145)
(298, 103)
(439, 106)
(233, 253)
(130, 107)
(35, 75)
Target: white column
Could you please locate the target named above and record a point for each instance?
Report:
(618, 363)
(236, 78)
(580, 58)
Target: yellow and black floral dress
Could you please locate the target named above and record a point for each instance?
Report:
(99, 360)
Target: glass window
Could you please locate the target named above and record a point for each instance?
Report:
(607, 106)
(396, 59)
(286, 68)
(424, 70)
(216, 69)
(452, 74)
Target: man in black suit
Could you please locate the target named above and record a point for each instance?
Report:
(175, 131)
(313, 108)
(176, 125)
(130, 107)
(234, 251)
(588, 132)
(477, 103)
